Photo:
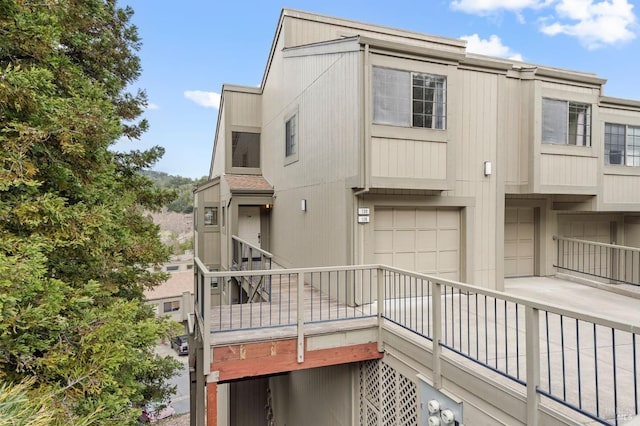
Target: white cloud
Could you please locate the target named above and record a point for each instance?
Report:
(484, 7)
(603, 23)
(492, 47)
(202, 98)
(151, 105)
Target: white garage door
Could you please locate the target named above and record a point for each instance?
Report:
(519, 244)
(421, 240)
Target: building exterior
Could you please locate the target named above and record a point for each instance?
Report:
(174, 297)
(487, 159)
(372, 145)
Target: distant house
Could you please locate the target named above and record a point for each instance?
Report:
(174, 297)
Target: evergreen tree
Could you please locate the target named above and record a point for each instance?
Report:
(74, 243)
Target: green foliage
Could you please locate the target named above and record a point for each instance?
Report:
(182, 187)
(74, 242)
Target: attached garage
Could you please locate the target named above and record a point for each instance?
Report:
(425, 240)
(519, 242)
(586, 228)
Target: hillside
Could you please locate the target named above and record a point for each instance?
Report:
(183, 187)
(176, 218)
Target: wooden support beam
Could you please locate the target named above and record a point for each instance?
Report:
(264, 358)
(212, 404)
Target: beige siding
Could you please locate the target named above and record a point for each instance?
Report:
(314, 397)
(323, 90)
(517, 110)
(569, 91)
(219, 153)
(566, 170)
(301, 32)
(621, 189)
(402, 158)
(317, 237)
(244, 109)
(474, 126)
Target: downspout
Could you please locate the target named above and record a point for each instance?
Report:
(366, 122)
(365, 127)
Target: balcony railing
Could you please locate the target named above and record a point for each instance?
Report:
(605, 261)
(248, 257)
(584, 362)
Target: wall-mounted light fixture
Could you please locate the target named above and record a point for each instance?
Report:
(303, 205)
(487, 168)
(267, 206)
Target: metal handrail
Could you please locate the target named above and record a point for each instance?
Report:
(478, 324)
(609, 262)
(256, 248)
(597, 243)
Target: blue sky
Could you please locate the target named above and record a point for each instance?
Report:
(191, 48)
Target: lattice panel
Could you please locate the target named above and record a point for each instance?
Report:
(372, 416)
(372, 382)
(407, 401)
(387, 398)
(388, 395)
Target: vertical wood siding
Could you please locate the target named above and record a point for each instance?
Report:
(323, 90)
(403, 158)
(300, 32)
(245, 109)
(218, 159)
(477, 131)
(314, 397)
(567, 170)
(516, 106)
(620, 189)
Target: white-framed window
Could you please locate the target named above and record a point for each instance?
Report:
(621, 144)
(566, 122)
(409, 99)
(291, 136)
(210, 215)
(171, 306)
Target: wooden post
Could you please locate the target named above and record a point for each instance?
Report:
(532, 327)
(212, 404)
(380, 297)
(301, 317)
(437, 334)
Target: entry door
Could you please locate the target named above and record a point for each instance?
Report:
(249, 224)
(519, 242)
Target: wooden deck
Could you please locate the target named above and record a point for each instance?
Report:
(323, 311)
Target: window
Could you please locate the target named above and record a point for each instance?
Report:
(245, 149)
(224, 217)
(290, 137)
(566, 123)
(171, 268)
(210, 215)
(171, 306)
(621, 144)
(409, 99)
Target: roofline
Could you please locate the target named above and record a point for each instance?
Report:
(207, 184)
(317, 17)
(611, 102)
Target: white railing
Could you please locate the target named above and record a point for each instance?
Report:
(584, 362)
